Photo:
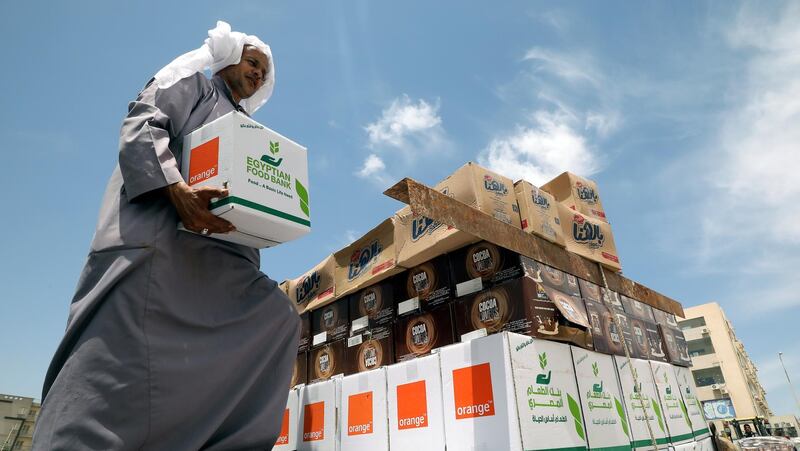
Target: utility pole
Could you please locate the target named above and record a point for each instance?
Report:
(780, 356)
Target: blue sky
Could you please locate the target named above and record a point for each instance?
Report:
(685, 113)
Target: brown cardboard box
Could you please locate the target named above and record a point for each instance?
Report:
(677, 348)
(577, 193)
(368, 260)
(421, 239)
(641, 344)
(305, 332)
(657, 347)
(527, 307)
(300, 370)
(327, 361)
(333, 319)
(315, 287)
(430, 282)
(419, 334)
(606, 336)
(665, 319)
(555, 278)
(539, 212)
(486, 261)
(589, 237)
(370, 350)
(376, 302)
(638, 309)
(485, 190)
(612, 300)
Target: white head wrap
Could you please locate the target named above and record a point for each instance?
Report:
(222, 49)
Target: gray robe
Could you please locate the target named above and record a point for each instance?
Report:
(174, 341)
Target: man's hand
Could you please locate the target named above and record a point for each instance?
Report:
(192, 206)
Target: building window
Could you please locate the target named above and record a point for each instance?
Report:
(25, 429)
(692, 323)
(702, 346)
(708, 376)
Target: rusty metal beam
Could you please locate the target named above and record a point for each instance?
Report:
(439, 207)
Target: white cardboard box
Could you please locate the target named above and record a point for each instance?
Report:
(319, 416)
(674, 409)
(641, 404)
(266, 175)
(601, 400)
(414, 393)
(287, 440)
(689, 394)
(511, 392)
(363, 413)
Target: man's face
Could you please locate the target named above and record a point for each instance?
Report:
(246, 77)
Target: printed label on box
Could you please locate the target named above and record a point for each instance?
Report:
(412, 406)
(205, 162)
(314, 422)
(359, 414)
(472, 391)
(283, 438)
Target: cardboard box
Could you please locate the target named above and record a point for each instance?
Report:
(421, 239)
(676, 346)
(300, 370)
(333, 320)
(641, 404)
(637, 344)
(430, 283)
(370, 350)
(678, 423)
(328, 361)
(538, 212)
(693, 408)
(483, 265)
(416, 418)
(375, 302)
(319, 416)
(287, 439)
(510, 392)
(612, 300)
(657, 350)
(638, 309)
(606, 336)
(364, 415)
(368, 260)
(315, 288)
(526, 307)
(601, 400)
(266, 175)
(589, 237)
(641, 343)
(419, 334)
(305, 333)
(485, 190)
(554, 278)
(665, 319)
(577, 193)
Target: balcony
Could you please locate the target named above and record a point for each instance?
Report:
(695, 333)
(705, 361)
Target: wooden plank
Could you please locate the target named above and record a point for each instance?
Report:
(439, 207)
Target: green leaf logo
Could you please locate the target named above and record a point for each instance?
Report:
(657, 410)
(575, 410)
(302, 193)
(274, 147)
(543, 360)
(686, 414)
(623, 421)
(595, 369)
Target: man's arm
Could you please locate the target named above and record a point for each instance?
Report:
(146, 162)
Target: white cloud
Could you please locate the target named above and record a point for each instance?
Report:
(539, 152)
(402, 120)
(373, 168)
(564, 66)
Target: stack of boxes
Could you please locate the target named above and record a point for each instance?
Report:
(379, 308)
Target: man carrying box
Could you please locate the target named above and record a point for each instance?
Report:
(174, 340)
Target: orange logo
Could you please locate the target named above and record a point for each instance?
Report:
(412, 406)
(204, 161)
(359, 414)
(314, 422)
(283, 438)
(472, 390)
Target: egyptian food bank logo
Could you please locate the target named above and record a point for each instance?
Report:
(472, 391)
(274, 149)
(307, 287)
(204, 161)
(585, 193)
(359, 414)
(362, 259)
(314, 422)
(494, 186)
(412, 406)
(586, 233)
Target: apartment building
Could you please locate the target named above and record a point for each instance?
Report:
(17, 417)
(726, 378)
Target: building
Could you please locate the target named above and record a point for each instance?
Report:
(17, 417)
(727, 381)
